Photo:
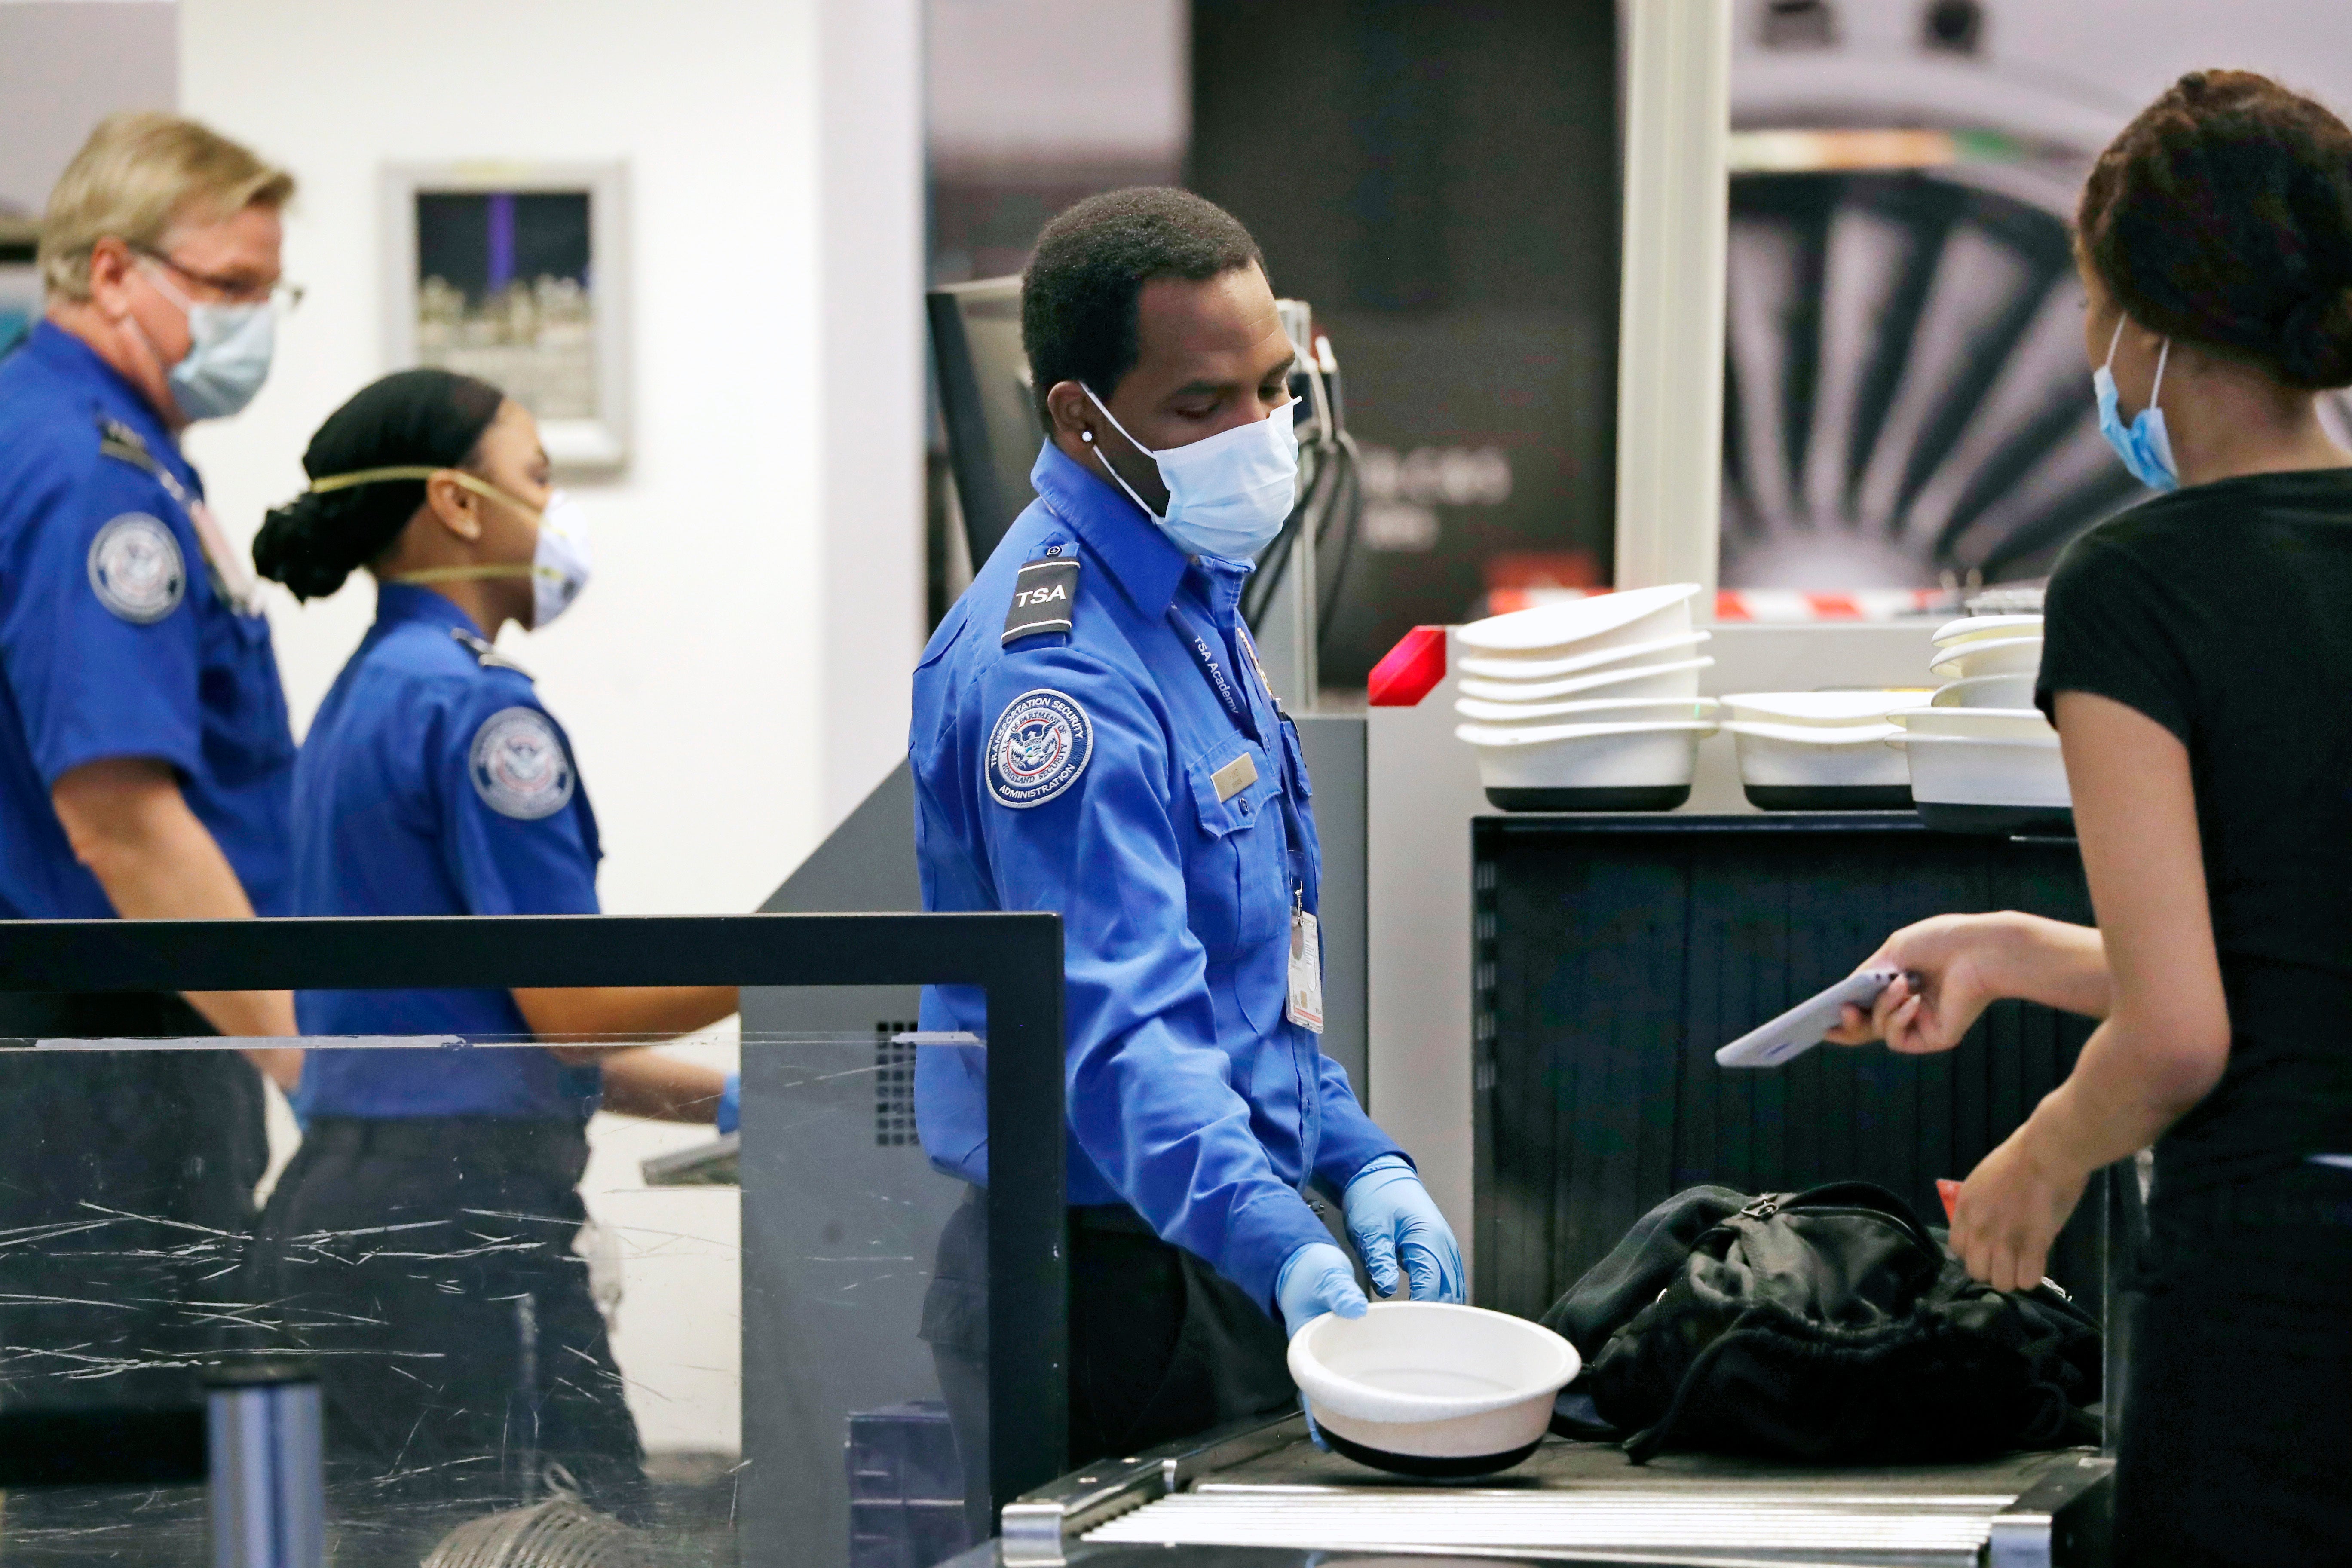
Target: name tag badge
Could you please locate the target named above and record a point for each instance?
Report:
(1234, 777)
(1305, 1006)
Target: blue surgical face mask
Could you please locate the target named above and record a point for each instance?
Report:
(1228, 494)
(229, 348)
(2144, 446)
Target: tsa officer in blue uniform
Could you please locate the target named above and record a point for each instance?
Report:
(145, 758)
(433, 781)
(1092, 735)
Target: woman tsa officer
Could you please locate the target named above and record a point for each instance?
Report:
(433, 782)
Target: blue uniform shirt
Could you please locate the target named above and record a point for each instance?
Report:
(1133, 774)
(114, 639)
(432, 782)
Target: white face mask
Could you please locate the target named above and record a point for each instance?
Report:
(560, 564)
(1229, 494)
(229, 350)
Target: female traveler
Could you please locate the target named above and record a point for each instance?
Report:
(2198, 665)
(467, 1358)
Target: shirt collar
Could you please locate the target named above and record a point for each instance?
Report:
(397, 602)
(1144, 560)
(68, 356)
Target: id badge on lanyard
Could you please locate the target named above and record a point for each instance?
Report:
(1305, 1003)
(230, 576)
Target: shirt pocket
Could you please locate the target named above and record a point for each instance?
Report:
(1236, 894)
(247, 733)
(1295, 752)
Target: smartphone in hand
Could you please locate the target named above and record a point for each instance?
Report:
(1801, 1028)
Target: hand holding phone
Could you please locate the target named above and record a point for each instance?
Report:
(1801, 1028)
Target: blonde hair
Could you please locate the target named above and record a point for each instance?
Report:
(135, 178)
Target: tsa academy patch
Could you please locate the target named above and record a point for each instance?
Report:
(136, 569)
(518, 766)
(1038, 749)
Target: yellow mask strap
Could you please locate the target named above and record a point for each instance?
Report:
(465, 574)
(334, 482)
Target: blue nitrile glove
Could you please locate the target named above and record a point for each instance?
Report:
(1393, 1220)
(1316, 1279)
(731, 1103)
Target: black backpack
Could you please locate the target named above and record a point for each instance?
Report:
(1828, 1326)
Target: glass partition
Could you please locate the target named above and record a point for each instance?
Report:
(547, 1305)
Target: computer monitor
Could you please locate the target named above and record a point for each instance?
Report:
(993, 430)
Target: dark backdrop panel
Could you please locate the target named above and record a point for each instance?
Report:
(1614, 958)
(1440, 182)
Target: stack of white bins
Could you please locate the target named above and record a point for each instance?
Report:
(1982, 758)
(1592, 705)
(1821, 751)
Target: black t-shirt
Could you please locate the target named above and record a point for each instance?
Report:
(2224, 613)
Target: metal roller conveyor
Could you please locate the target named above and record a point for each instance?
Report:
(1265, 1492)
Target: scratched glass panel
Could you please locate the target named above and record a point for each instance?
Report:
(683, 1349)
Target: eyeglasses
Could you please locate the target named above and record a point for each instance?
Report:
(285, 296)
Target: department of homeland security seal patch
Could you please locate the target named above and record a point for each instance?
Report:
(1038, 748)
(136, 569)
(518, 765)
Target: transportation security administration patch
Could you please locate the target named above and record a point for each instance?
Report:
(1038, 748)
(136, 569)
(518, 765)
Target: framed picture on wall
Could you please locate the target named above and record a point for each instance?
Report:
(20, 285)
(517, 273)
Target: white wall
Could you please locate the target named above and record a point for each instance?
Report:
(64, 63)
(870, 393)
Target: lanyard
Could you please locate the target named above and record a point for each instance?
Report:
(235, 584)
(231, 580)
(1236, 705)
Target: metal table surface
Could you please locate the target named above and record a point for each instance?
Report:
(1260, 1495)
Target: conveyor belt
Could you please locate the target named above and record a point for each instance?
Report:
(1264, 1495)
(1853, 1528)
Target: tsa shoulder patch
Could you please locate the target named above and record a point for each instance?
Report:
(518, 765)
(136, 569)
(1038, 749)
(1044, 598)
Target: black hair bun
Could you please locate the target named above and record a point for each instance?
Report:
(421, 418)
(2316, 341)
(310, 544)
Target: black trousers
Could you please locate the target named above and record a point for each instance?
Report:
(426, 1263)
(2238, 1422)
(126, 1198)
(1161, 1346)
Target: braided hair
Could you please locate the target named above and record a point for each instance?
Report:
(412, 418)
(2223, 216)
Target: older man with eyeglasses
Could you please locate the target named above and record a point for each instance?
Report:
(145, 758)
